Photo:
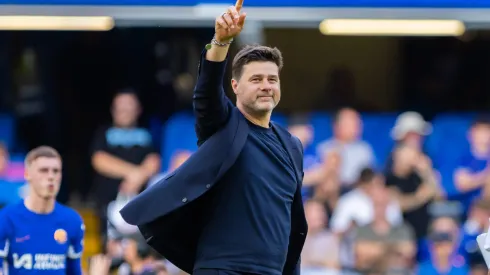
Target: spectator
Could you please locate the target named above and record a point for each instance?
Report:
(10, 171)
(355, 153)
(123, 155)
(412, 181)
(443, 241)
(356, 207)
(473, 173)
(311, 165)
(476, 224)
(139, 258)
(410, 129)
(321, 248)
(328, 193)
(328, 190)
(382, 246)
(99, 265)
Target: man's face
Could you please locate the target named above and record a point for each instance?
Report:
(44, 177)
(258, 89)
(125, 110)
(349, 125)
(480, 135)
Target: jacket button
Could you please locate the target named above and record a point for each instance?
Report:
(184, 199)
(208, 185)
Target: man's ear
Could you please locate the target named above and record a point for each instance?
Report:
(234, 85)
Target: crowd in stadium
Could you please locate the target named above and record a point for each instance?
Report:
(366, 215)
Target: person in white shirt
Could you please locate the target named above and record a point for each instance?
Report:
(356, 207)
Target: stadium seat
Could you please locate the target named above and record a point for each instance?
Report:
(280, 119)
(7, 131)
(377, 132)
(322, 124)
(448, 139)
(177, 134)
(10, 192)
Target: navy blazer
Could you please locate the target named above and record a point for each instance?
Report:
(171, 214)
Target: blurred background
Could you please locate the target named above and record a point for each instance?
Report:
(389, 97)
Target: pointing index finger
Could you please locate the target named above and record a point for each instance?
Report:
(238, 5)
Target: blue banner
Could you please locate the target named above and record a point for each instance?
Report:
(270, 3)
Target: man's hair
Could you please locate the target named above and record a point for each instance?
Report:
(41, 152)
(255, 53)
(481, 120)
(126, 91)
(338, 113)
(366, 175)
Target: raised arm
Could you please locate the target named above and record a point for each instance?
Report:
(211, 106)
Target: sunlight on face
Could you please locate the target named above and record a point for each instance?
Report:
(44, 177)
(258, 89)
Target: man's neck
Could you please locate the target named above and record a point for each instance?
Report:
(479, 151)
(39, 205)
(442, 263)
(260, 120)
(400, 171)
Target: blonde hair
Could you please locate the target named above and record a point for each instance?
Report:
(40, 152)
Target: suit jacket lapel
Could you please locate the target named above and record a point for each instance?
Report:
(285, 138)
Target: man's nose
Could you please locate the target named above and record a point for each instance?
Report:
(265, 85)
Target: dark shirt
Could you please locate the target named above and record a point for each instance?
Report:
(250, 224)
(418, 218)
(131, 145)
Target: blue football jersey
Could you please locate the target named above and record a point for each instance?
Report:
(32, 243)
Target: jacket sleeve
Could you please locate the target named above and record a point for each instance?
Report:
(211, 106)
(297, 269)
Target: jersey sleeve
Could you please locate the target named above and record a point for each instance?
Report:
(5, 232)
(75, 250)
(76, 239)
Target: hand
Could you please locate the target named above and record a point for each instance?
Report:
(423, 164)
(229, 24)
(133, 181)
(99, 265)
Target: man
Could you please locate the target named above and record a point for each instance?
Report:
(347, 211)
(123, 155)
(234, 207)
(412, 181)
(355, 153)
(472, 176)
(39, 235)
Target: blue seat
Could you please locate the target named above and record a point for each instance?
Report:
(10, 192)
(7, 131)
(377, 132)
(280, 119)
(177, 134)
(322, 125)
(448, 139)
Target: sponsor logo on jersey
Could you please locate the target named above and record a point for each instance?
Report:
(39, 261)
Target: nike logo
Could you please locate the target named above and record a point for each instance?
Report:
(22, 239)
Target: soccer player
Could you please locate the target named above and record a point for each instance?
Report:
(39, 235)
